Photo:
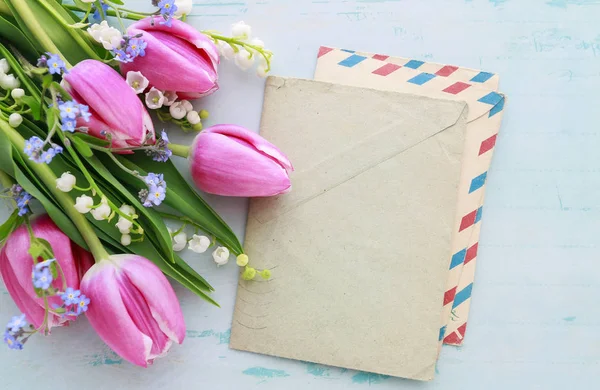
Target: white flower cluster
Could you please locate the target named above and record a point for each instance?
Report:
(7, 81)
(85, 204)
(109, 37)
(198, 244)
(156, 99)
(245, 56)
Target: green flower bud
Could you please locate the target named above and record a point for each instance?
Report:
(249, 273)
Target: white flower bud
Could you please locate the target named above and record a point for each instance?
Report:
(9, 81)
(66, 182)
(170, 97)
(4, 66)
(177, 110)
(124, 225)
(125, 240)
(226, 50)
(179, 241)
(15, 119)
(244, 59)
(137, 81)
(127, 209)
(184, 7)
(257, 42)
(17, 93)
(193, 117)
(154, 99)
(84, 203)
(241, 30)
(108, 36)
(261, 71)
(101, 212)
(187, 105)
(221, 255)
(199, 244)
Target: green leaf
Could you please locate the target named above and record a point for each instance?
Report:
(82, 147)
(10, 225)
(34, 104)
(11, 33)
(183, 198)
(82, 5)
(6, 161)
(91, 139)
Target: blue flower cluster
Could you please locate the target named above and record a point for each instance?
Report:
(22, 198)
(167, 10)
(96, 17)
(16, 334)
(74, 302)
(53, 62)
(156, 191)
(34, 148)
(160, 152)
(69, 112)
(131, 47)
(42, 274)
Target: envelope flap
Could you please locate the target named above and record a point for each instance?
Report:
(350, 68)
(358, 132)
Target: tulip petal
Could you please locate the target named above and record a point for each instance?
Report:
(255, 140)
(229, 166)
(193, 72)
(109, 316)
(111, 99)
(158, 294)
(184, 31)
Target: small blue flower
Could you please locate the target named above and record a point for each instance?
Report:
(82, 304)
(84, 112)
(43, 264)
(17, 323)
(57, 149)
(42, 279)
(161, 152)
(69, 125)
(33, 144)
(157, 195)
(48, 155)
(136, 47)
(23, 203)
(167, 9)
(68, 110)
(164, 137)
(55, 64)
(155, 180)
(12, 342)
(96, 13)
(71, 297)
(122, 56)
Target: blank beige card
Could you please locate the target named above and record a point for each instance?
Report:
(359, 249)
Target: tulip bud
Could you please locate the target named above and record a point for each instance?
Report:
(135, 310)
(65, 182)
(188, 59)
(16, 269)
(116, 108)
(232, 161)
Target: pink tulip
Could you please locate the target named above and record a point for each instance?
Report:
(232, 161)
(114, 106)
(134, 308)
(16, 266)
(178, 58)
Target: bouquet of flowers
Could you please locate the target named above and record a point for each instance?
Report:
(77, 139)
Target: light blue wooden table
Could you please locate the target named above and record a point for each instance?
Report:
(535, 318)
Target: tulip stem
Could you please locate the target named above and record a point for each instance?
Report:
(180, 150)
(48, 177)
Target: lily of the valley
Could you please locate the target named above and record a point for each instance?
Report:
(221, 255)
(109, 37)
(135, 310)
(66, 182)
(199, 244)
(15, 119)
(102, 211)
(137, 82)
(84, 204)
